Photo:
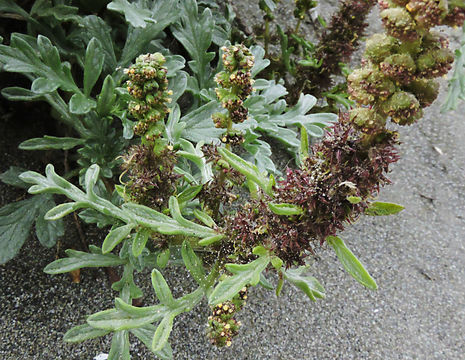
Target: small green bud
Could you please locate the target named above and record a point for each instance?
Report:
(399, 67)
(426, 91)
(380, 46)
(367, 120)
(435, 63)
(368, 84)
(403, 108)
(399, 24)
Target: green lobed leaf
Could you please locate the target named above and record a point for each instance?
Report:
(285, 209)
(79, 259)
(135, 14)
(350, 263)
(16, 220)
(115, 236)
(140, 240)
(245, 168)
(93, 64)
(308, 284)
(80, 104)
(193, 263)
(126, 317)
(145, 334)
(204, 217)
(456, 89)
(163, 13)
(51, 142)
(15, 93)
(195, 32)
(383, 208)
(11, 177)
(97, 28)
(244, 274)
(211, 240)
(162, 289)
(120, 346)
(265, 283)
(161, 335)
(163, 258)
(83, 332)
(43, 86)
(189, 193)
(303, 150)
(199, 125)
(48, 231)
(106, 97)
(260, 62)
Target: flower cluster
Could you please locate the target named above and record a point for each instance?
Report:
(348, 164)
(235, 85)
(152, 179)
(396, 78)
(148, 87)
(348, 167)
(222, 326)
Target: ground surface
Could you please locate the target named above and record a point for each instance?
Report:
(417, 258)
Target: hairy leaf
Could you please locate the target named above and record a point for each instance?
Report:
(350, 263)
(83, 332)
(244, 274)
(79, 259)
(51, 142)
(308, 284)
(378, 208)
(120, 346)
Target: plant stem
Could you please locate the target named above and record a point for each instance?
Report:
(297, 27)
(267, 37)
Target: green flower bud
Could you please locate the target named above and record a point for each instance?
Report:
(399, 67)
(368, 85)
(380, 46)
(235, 84)
(403, 108)
(147, 85)
(399, 24)
(367, 120)
(426, 91)
(435, 63)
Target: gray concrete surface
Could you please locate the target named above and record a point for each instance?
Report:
(417, 258)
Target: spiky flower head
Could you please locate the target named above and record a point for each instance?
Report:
(399, 67)
(399, 23)
(368, 84)
(148, 86)
(222, 326)
(380, 46)
(403, 108)
(235, 84)
(152, 179)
